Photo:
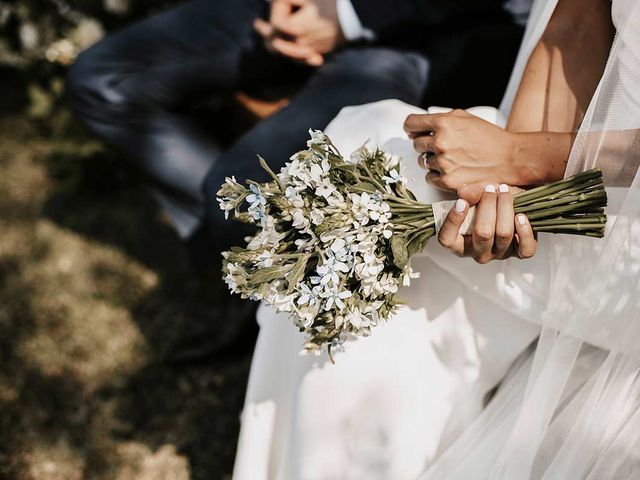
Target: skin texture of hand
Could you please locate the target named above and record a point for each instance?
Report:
(497, 233)
(459, 148)
(304, 30)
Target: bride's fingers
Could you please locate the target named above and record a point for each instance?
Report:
(484, 226)
(449, 235)
(504, 221)
(422, 160)
(472, 193)
(424, 143)
(435, 179)
(527, 244)
(421, 123)
(433, 163)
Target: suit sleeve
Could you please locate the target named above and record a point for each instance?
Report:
(386, 15)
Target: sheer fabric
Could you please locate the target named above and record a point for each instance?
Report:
(571, 409)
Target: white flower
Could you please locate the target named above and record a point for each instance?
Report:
(265, 259)
(305, 316)
(339, 246)
(293, 195)
(305, 244)
(283, 302)
(336, 200)
(227, 205)
(356, 318)
(369, 207)
(318, 172)
(361, 242)
(257, 202)
(394, 177)
(368, 266)
(336, 298)
(381, 212)
(386, 284)
(408, 274)
(229, 195)
(390, 161)
(267, 237)
(326, 189)
(236, 277)
(330, 270)
(317, 138)
(317, 216)
(359, 155)
(308, 296)
(300, 221)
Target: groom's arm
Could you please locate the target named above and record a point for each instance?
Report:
(381, 16)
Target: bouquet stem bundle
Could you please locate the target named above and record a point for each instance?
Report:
(335, 236)
(573, 206)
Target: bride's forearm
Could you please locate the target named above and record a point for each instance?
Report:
(556, 87)
(539, 157)
(564, 68)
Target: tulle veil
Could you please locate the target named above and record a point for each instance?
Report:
(571, 408)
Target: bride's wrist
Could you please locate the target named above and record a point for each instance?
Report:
(539, 157)
(518, 170)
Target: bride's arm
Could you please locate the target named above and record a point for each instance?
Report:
(564, 68)
(557, 85)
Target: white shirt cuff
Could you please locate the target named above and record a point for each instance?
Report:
(352, 28)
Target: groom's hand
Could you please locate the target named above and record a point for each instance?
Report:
(303, 30)
(497, 232)
(458, 148)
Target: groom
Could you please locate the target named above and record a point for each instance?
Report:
(136, 89)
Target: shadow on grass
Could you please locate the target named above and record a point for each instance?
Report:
(194, 407)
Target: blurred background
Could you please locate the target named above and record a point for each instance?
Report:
(89, 301)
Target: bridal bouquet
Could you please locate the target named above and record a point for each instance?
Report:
(336, 235)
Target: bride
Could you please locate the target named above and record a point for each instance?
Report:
(451, 387)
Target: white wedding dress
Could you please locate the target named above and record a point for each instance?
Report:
(393, 402)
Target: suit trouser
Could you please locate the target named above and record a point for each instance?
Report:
(132, 89)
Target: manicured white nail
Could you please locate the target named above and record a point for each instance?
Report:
(490, 188)
(503, 188)
(522, 219)
(460, 205)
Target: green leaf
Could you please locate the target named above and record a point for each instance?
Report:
(268, 274)
(369, 187)
(265, 166)
(347, 167)
(297, 272)
(417, 245)
(399, 250)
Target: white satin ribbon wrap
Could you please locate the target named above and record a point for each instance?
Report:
(442, 209)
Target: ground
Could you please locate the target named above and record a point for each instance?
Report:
(94, 286)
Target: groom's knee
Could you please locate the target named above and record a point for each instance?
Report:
(401, 73)
(91, 88)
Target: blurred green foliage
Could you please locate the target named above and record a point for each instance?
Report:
(39, 39)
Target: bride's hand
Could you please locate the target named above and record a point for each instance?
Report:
(497, 233)
(459, 148)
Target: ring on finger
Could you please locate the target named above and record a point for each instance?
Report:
(423, 159)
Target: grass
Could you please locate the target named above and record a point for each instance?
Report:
(94, 287)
